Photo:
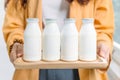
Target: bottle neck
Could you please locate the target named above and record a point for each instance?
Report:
(32, 20)
(69, 21)
(88, 21)
(50, 21)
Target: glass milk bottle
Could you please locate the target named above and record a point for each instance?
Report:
(32, 40)
(51, 41)
(69, 41)
(87, 40)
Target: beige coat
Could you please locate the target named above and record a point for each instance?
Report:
(100, 10)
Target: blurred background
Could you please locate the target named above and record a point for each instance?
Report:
(7, 69)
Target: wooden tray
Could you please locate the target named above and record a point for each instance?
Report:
(99, 63)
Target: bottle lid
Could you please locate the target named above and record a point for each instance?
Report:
(49, 20)
(88, 20)
(32, 20)
(70, 20)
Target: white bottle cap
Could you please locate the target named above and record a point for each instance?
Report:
(88, 20)
(50, 20)
(32, 20)
(68, 20)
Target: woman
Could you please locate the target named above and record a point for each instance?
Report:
(17, 11)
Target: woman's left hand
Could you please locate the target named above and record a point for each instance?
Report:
(103, 51)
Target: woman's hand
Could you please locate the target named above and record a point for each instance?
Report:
(103, 51)
(16, 52)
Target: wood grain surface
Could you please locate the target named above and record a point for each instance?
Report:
(99, 63)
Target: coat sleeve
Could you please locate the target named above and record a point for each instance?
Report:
(104, 23)
(14, 23)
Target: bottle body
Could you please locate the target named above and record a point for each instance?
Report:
(51, 41)
(69, 41)
(87, 40)
(32, 40)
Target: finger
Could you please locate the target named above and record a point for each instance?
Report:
(19, 55)
(107, 53)
(104, 51)
(13, 53)
(19, 50)
(98, 48)
(11, 58)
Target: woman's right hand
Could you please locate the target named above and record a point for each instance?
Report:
(16, 52)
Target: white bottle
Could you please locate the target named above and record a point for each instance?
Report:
(51, 41)
(32, 40)
(87, 40)
(69, 41)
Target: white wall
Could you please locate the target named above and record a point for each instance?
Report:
(6, 68)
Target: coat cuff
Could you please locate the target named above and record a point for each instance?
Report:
(13, 40)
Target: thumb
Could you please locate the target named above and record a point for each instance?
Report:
(13, 53)
(19, 50)
(104, 52)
